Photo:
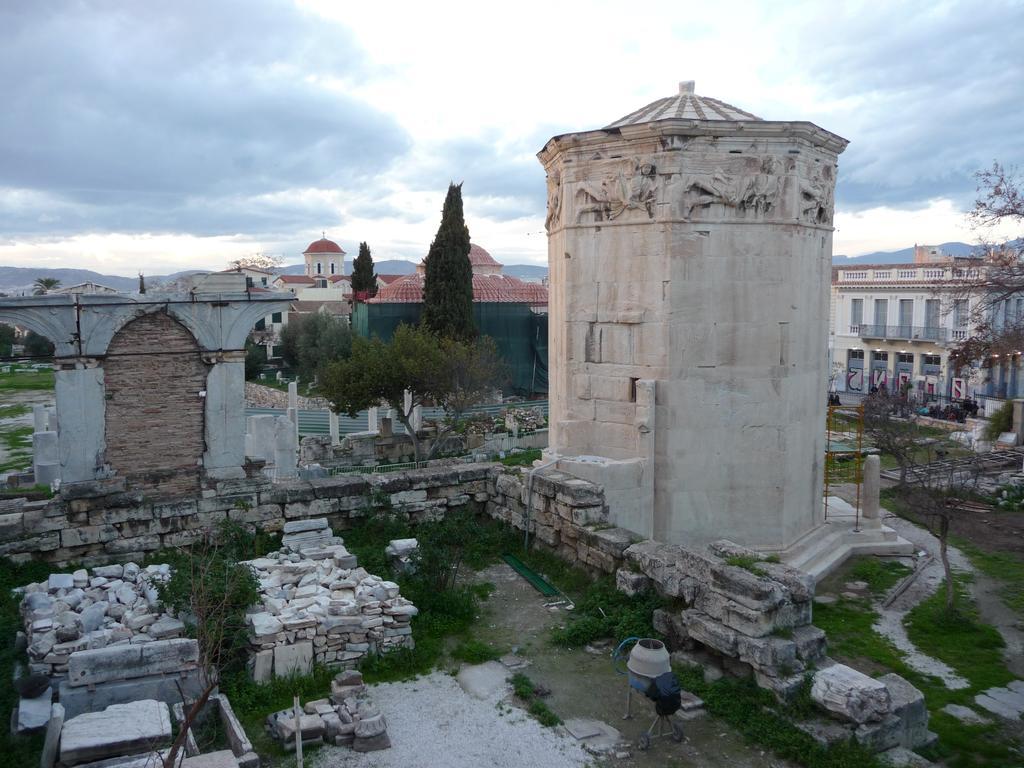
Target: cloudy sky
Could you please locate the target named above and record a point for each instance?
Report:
(161, 136)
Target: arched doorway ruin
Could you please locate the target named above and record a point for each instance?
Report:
(154, 377)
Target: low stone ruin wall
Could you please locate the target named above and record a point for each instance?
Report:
(320, 606)
(754, 614)
(95, 523)
(736, 604)
(109, 605)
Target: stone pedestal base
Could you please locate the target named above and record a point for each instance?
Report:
(829, 545)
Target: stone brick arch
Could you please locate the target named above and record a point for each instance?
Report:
(153, 376)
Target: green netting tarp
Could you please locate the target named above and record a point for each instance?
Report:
(520, 333)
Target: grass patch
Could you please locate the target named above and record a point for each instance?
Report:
(1002, 566)
(848, 624)
(746, 562)
(13, 411)
(444, 613)
(523, 458)
(475, 652)
(252, 702)
(526, 691)
(961, 642)
(946, 635)
(29, 379)
(603, 612)
(762, 721)
(880, 575)
(16, 750)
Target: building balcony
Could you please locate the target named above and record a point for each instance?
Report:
(927, 333)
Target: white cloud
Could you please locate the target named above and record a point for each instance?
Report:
(353, 117)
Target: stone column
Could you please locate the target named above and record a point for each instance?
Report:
(45, 457)
(1018, 421)
(224, 424)
(263, 432)
(293, 417)
(293, 394)
(645, 425)
(40, 418)
(870, 511)
(332, 426)
(417, 418)
(406, 402)
(285, 449)
(371, 420)
(81, 434)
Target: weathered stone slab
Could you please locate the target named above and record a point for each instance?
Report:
(301, 526)
(165, 688)
(52, 741)
(908, 704)
(121, 729)
(224, 758)
(850, 694)
(293, 659)
(122, 662)
(34, 713)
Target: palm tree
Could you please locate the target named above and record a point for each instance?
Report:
(44, 285)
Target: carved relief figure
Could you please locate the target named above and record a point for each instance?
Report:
(756, 192)
(634, 187)
(816, 197)
(554, 201)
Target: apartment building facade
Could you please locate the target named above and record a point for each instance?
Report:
(893, 325)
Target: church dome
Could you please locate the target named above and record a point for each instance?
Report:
(478, 257)
(323, 245)
(686, 105)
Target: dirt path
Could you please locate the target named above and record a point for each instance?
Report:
(585, 684)
(997, 531)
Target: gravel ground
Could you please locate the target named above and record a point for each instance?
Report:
(433, 722)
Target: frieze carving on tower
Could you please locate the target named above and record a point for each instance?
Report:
(554, 217)
(630, 187)
(748, 192)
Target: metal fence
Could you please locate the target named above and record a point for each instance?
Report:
(317, 423)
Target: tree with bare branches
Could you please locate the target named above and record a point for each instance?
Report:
(930, 491)
(994, 281)
(210, 592)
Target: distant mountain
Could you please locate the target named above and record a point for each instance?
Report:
(526, 271)
(902, 256)
(17, 280)
(394, 267)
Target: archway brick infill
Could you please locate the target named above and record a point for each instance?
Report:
(155, 412)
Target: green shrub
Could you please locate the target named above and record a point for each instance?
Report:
(605, 612)
(999, 422)
(475, 652)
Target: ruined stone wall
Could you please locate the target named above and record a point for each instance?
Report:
(100, 522)
(154, 414)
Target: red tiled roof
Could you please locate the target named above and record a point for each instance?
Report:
(338, 278)
(323, 245)
(486, 288)
(389, 279)
(331, 307)
(478, 257)
(296, 279)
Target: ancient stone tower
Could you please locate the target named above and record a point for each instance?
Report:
(690, 249)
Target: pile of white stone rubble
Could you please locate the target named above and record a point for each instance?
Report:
(319, 605)
(348, 718)
(89, 609)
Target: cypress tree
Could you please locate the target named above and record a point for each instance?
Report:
(448, 283)
(363, 278)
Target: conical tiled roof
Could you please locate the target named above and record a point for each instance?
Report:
(686, 105)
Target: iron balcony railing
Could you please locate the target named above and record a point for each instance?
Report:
(902, 332)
